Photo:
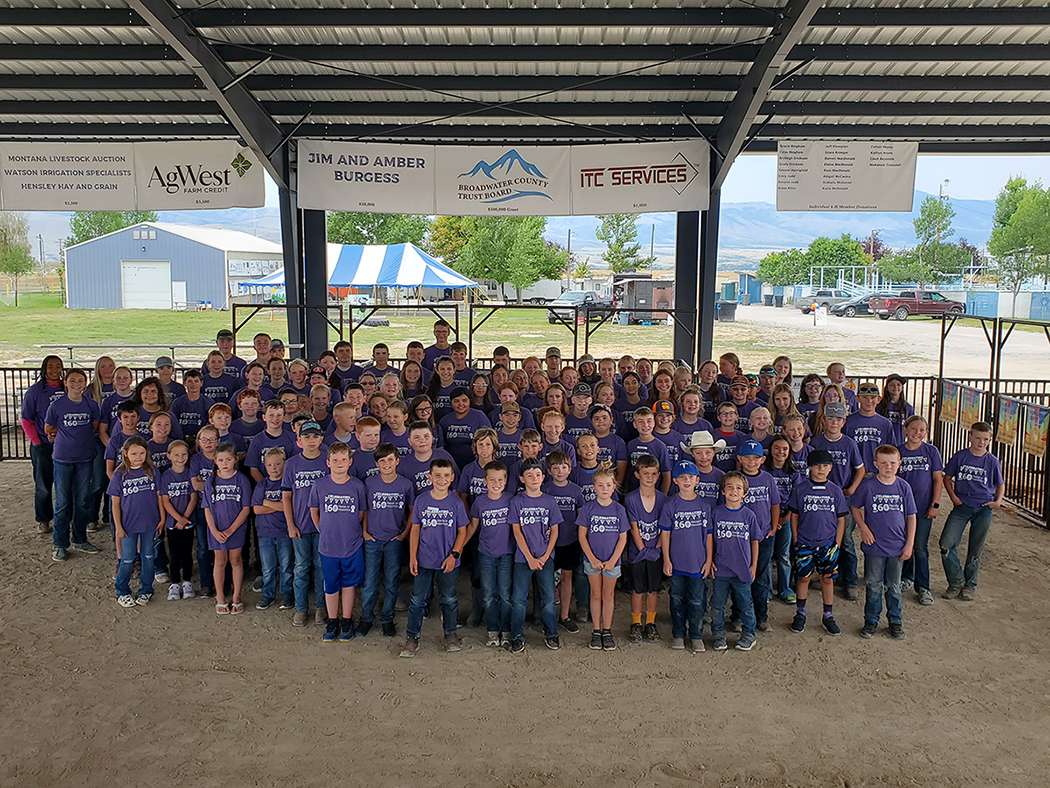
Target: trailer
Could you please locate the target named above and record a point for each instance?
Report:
(633, 292)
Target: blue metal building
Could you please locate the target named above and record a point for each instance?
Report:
(165, 266)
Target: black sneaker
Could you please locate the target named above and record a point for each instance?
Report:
(652, 634)
(569, 626)
(331, 631)
(608, 644)
(364, 628)
(389, 630)
(798, 623)
(850, 592)
(287, 603)
(830, 625)
(553, 643)
(346, 630)
(208, 591)
(596, 640)
(257, 584)
(868, 630)
(635, 635)
(897, 630)
(517, 645)
(263, 604)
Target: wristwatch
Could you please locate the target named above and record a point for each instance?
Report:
(935, 505)
(455, 554)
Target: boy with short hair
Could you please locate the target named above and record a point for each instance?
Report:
(611, 447)
(586, 464)
(275, 545)
(818, 521)
(395, 431)
(301, 471)
(530, 445)
(739, 388)
(390, 501)
(508, 433)
(463, 374)
(836, 373)
(364, 467)
(488, 518)
(440, 348)
(338, 508)
(380, 361)
(416, 466)
(647, 444)
(868, 429)
(762, 497)
(276, 433)
(439, 531)
(884, 509)
(725, 457)
(344, 422)
(701, 447)
(736, 538)
(191, 409)
(664, 415)
(552, 425)
(346, 371)
(578, 422)
(973, 479)
(644, 560)
(567, 554)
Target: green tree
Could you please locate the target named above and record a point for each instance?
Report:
(376, 228)
(15, 258)
(618, 231)
(509, 250)
(582, 269)
(835, 256)
(85, 225)
(933, 259)
(1020, 240)
(789, 267)
(446, 238)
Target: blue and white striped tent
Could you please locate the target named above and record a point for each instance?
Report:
(396, 265)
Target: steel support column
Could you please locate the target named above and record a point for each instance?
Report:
(686, 279)
(315, 271)
(291, 237)
(708, 285)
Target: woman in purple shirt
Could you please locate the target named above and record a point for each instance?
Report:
(38, 398)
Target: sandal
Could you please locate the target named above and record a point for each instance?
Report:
(222, 609)
(238, 607)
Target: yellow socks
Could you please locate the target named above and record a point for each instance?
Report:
(636, 618)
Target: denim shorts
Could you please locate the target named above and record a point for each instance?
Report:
(590, 570)
(340, 573)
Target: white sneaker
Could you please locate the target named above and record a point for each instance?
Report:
(174, 592)
(126, 601)
(162, 577)
(187, 590)
(143, 599)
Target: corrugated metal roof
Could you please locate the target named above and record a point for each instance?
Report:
(229, 241)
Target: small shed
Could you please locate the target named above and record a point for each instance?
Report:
(153, 265)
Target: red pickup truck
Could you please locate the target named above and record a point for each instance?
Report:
(914, 302)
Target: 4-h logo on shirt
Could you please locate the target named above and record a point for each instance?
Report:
(241, 165)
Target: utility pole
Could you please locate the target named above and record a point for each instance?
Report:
(40, 238)
(652, 260)
(568, 262)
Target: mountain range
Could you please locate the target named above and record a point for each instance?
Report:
(747, 231)
(504, 166)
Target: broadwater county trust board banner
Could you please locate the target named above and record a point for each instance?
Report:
(503, 180)
(836, 175)
(87, 176)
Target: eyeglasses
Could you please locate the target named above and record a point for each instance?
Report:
(424, 409)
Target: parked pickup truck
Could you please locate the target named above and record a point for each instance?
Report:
(595, 305)
(821, 298)
(914, 302)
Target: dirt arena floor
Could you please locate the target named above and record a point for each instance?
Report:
(170, 694)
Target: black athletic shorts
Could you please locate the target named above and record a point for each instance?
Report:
(646, 576)
(567, 556)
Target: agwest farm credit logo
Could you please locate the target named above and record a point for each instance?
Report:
(198, 178)
(677, 174)
(508, 178)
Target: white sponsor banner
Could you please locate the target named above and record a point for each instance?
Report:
(198, 174)
(633, 178)
(503, 181)
(369, 177)
(835, 175)
(67, 176)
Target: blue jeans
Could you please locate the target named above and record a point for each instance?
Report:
(43, 481)
(917, 568)
(495, 590)
(763, 585)
(741, 591)
(130, 546)
(277, 555)
(782, 559)
(848, 552)
(980, 521)
(72, 501)
(882, 574)
(520, 595)
(688, 602)
(446, 588)
(382, 559)
(307, 555)
(205, 559)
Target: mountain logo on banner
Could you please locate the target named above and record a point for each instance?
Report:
(510, 177)
(678, 174)
(241, 165)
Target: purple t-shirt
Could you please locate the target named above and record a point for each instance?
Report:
(388, 504)
(245, 431)
(562, 445)
(689, 523)
(584, 479)
(191, 415)
(654, 448)
(458, 433)
(300, 474)
(819, 507)
(139, 499)
(785, 484)
(254, 458)
(432, 353)
(472, 482)
(158, 453)
(686, 430)
(509, 450)
(341, 508)
(526, 422)
(200, 466)
(226, 498)
(845, 456)
(570, 499)
(648, 526)
(869, 432)
(109, 409)
(439, 522)
(800, 457)
(76, 423)
(494, 534)
(673, 440)
(143, 426)
(364, 465)
(219, 389)
(762, 494)
(725, 459)
(974, 478)
(271, 525)
(536, 516)
(442, 402)
(707, 485)
(612, 449)
(743, 422)
(897, 413)
(178, 489)
(400, 442)
(575, 426)
(735, 530)
(885, 506)
(37, 400)
(917, 469)
(418, 471)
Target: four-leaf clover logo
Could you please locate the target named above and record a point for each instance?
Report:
(241, 165)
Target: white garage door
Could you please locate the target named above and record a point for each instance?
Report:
(146, 284)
